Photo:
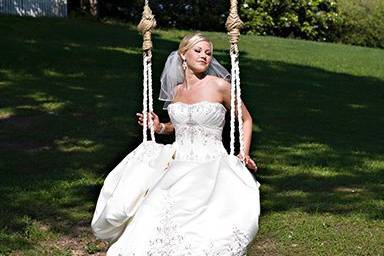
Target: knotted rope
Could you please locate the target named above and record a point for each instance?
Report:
(146, 25)
(233, 25)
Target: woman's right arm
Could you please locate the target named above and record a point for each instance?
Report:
(164, 128)
(160, 128)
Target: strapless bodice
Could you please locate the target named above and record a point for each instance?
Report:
(198, 130)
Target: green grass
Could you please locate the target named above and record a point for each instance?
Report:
(69, 91)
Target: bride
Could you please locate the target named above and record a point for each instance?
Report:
(190, 197)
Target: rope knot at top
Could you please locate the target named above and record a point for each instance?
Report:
(234, 23)
(146, 25)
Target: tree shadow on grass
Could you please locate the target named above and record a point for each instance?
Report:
(73, 98)
(318, 138)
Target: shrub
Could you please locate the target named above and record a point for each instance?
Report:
(363, 22)
(307, 19)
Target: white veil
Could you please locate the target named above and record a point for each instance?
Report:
(173, 74)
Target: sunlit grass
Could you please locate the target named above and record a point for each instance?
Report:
(75, 145)
(122, 50)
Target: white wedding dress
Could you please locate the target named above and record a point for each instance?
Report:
(186, 198)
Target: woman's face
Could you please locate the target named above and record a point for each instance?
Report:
(199, 57)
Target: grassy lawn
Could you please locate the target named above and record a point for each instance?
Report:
(69, 91)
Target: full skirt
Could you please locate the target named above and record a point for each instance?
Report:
(153, 204)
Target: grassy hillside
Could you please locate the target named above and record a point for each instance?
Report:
(69, 91)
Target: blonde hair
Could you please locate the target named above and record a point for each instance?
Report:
(190, 40)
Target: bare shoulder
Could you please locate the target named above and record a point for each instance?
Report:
(220, 83)
(176, 91)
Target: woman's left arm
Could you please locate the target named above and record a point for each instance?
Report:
(247, 127)
(225, 89)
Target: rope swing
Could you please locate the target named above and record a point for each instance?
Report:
(146, 25)
(233, 25)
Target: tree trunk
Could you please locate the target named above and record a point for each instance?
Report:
(94, 8)
(82, 5)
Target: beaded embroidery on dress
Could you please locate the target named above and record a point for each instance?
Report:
(185, 198)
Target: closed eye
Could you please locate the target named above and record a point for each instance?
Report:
(208, 53)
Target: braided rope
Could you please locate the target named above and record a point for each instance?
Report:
(146, 25)
(145, 85)
(233, 88)
(239, 103)
(233, 25)
(150, 97)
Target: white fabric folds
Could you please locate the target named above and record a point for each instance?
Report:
(185, 198)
